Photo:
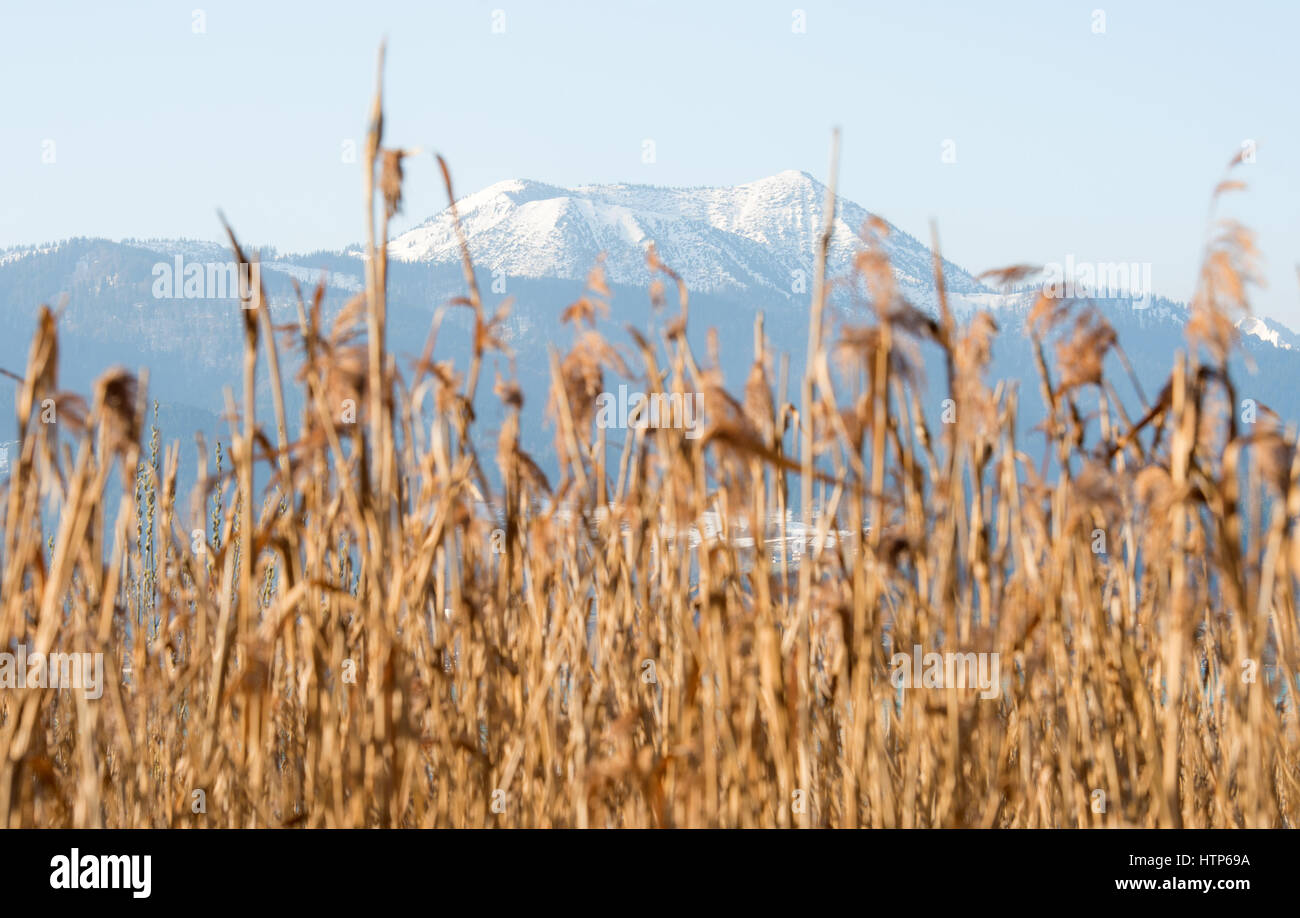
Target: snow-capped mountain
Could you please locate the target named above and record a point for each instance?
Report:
(1274, 333)
(740, 250)
(757, 237)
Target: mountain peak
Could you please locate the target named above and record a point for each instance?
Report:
(1269, 330)
(761, 235)
(793, 179)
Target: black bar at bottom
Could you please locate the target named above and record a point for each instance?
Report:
(335, 869)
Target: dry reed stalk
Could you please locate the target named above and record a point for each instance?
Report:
(358, 647)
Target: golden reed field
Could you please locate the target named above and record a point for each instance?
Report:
(359, 644)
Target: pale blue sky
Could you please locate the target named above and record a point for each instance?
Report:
(1100, 146)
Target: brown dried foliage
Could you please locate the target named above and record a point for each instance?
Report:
(361, 646)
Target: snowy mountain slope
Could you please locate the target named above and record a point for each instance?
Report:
(760, 236)
(1272, 332)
